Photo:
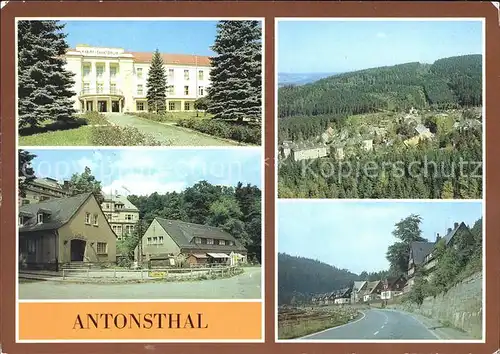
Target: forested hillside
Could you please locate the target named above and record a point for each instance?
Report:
(447, 83)
(234, 209)
(299, 278)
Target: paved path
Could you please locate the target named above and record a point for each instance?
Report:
(165, 133)
(243, 286)
(379, 325)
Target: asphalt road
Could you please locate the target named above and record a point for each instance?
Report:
(244, 286)
(378, 324)
(166, 134)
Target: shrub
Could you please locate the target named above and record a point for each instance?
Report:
(94, 118)
(121, 136)
(245, 133)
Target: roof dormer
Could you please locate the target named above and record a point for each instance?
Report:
(43, 215)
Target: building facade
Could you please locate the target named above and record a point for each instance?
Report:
(121, 214)
(64, 231)
(42, 189)
(113, 80)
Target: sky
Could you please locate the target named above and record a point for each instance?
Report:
(177, 37)
(356, 235)
(145, 171)
(342, 46)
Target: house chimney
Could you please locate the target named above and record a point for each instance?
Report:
(66, 185)
(449, 229)
(456, 225)
(438, 237)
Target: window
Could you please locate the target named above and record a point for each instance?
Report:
(140, 90)
(31, 245)
(112, 71)
(139, 73)
(86, 70)
(200, 75)
(201, 91)
(112, 88)
(87, 218)
(129, 229)
(21, 221)
(100, 88)
(94, 219)
(140, 106)
(155, 240)
(187, 106)
(186, 74)
(210, 241)
(171, 106)
(102, 248)
(129, 216)
(25, 202)
(86, 87)
(149, 241)
(171, 74)
(170, 89)
(160, 239)
(186, 90)
(100, 71)
(222, 242)
(231, 243)
(197, 240)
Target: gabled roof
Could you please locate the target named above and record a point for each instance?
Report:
(358, 285)
(453, 232)
(182, 233)
(420, 250)
(127, 205)
(372, 286)
(61, 211)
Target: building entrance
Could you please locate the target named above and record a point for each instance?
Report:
(90, 106)
(115, 106)
(102, 106)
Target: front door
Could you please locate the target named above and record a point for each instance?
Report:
(115, 106)
(103, 106)
(90, 106)
(77, 250)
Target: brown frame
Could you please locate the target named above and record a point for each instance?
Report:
(269, 10)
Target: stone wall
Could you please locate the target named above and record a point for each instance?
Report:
(460, 307)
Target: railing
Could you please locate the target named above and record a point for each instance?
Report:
(97, 91)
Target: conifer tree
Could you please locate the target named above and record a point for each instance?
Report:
(157, 85)
(44, 84)
(236, 75)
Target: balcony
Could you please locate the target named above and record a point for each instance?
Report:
(101, 92)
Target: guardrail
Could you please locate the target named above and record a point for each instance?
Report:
(153, 273)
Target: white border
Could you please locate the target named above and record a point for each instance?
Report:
(262, 188)
(301, 200)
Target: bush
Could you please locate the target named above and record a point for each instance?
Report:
(245, 133)
(166, 117)
(121, 136)
(94, 118)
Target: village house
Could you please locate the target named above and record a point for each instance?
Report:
(303, 150)
(422, 254)
(357, 291)
(173, 242)
(343, 296)
(392, 287)
(42, 189)
(422, 133)
(122, 215)
(373, 290)
(69, 230)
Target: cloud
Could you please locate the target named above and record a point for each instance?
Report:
(381, 35)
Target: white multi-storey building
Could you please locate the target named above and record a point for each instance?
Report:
(112, 80)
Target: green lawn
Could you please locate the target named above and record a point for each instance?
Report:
(80, 136)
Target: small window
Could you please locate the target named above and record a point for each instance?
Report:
(112, 71)
(139, 73)
(100, 70)
(160, 239)
(86, 70)
(201, 91)
(86, 87)
(171, 106)
(140, 106)
(87, 218)
(100, 88)
(102, 248)
(31, 245)
(112, 89)
(128, 217)
(197, 240)
(94, 219)
(21, 221)
(200, 75)
(222, 242)
(187, 106)
(210, 241)
(140, 90)
(186, 74)
(170, 89)
(149, 241)
(171, 74)
(155, 240)
(25, 202)
(186, 90)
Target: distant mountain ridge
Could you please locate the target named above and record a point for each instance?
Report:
(448, 82)
(300, 78)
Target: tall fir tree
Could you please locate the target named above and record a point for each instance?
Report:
(44, 85)
(236, 75)
(157, 85)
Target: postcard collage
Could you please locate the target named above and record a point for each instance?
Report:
(141, 188)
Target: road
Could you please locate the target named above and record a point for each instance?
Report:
(166, 134)
(244, 286)
(379, 325)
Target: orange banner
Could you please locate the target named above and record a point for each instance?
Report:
(141, 320)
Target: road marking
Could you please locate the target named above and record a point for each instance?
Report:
(333, 328)
(382, 326)
(375, 333)
(417, 320)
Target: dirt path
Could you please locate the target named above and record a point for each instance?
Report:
(165, 133)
